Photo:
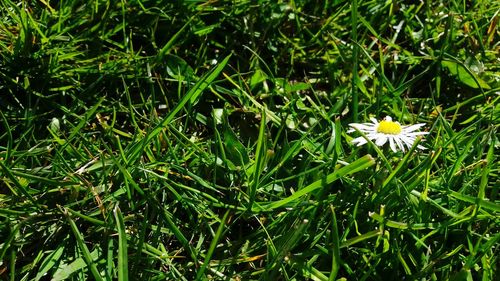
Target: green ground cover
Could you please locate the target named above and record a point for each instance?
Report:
(208, 140)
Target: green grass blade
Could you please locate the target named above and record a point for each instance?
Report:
(122, 245)
(168, 46)
(179, 235)
(50, 261)
(65, 271)
(355, 75)
(44, 180)
(10, 139)
(354, 167)
(87, 257)
(335, 247)
(259, 161)
(360, 238)
(20, 187)
(213, 245)
(7, 243)
(486, 171)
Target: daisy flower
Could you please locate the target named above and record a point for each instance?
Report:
(387, 130)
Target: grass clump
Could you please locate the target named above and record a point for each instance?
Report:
(201, 140)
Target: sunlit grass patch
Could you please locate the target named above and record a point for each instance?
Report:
(195, 140)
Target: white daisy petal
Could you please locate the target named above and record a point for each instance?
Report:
(381, 140)
(359, 141)
(392, 144)
(408, 141)
(416, 134)
(413, 127)
(362, 127)
(400, 144)
(372, 136)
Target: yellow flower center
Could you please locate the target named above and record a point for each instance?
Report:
(389, 127)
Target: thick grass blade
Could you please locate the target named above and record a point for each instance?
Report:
(179, 235)
(355, 75)
(335, 247)
(9, 240)
(50, 261)
(122, 245)
(10, 139)
(65, 271)
(213, 245)
(486, 171)
(493, 206)
(356, 166)
(44, 180)
(85, 217)
(285, 245)
(259, 162)
(87, 257)
(360, 238)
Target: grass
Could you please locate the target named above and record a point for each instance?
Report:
(195, 140)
